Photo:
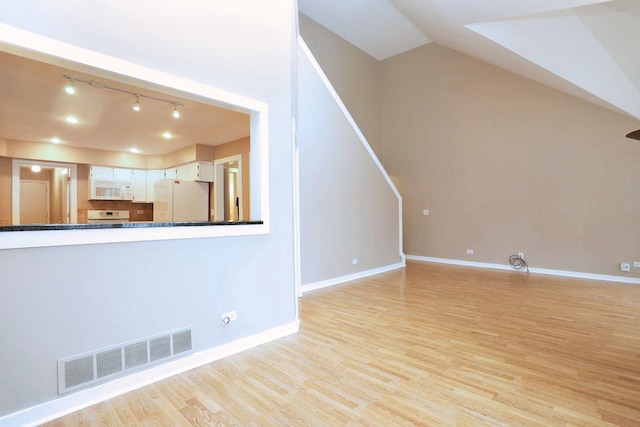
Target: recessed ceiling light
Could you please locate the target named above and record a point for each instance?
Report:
(134, 150)
(55, 140)
(71, 119)
(36, 168)
(167, 135)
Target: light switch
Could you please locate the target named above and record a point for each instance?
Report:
(425, 212)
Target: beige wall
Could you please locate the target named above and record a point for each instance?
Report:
(64, 154)
(5, 191)
(60, 153)
(505, 165)
(352, 72)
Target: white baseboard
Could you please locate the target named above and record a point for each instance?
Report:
(551, 272)
(349, 277)
(53, 409)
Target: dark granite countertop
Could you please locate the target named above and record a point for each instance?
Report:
(134, 224)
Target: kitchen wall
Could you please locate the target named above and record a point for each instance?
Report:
(86, 297)
(64, 154)
(5, 191)
(505, 164)
(58, 203)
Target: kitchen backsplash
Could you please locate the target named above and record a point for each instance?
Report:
(137, 211)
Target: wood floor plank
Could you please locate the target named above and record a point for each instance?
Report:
(429, 345)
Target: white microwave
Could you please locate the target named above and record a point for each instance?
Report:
(110, 190)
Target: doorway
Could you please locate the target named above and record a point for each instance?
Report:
(227, 189)
(28, 198)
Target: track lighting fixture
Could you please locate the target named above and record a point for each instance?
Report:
(136, 106)
(70, 88)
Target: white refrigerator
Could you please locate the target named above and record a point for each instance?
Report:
(180, 201)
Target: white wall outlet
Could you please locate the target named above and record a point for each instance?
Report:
(469, 251)
(425, 212)
(229, 317)
(521, 255)
(625, 266)
(354, 261)
(636, 264)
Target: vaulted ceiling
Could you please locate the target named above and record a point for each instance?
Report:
(587, 48)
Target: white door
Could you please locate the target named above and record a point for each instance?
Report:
(34, 202)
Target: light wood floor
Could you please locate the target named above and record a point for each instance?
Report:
(431, 345)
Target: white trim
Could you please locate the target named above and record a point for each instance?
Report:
(297, 245)
(350, 277)
(37, 415)
(34, 239)
(34, 46)
(318, 69)
(547, 271)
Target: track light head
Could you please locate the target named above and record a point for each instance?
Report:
(176, 113)
(136, 106)
(70, 88)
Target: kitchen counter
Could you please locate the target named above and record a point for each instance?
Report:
(134, 224)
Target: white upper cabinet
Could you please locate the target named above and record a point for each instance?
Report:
(196, 171)
(106, 173)
(120, 174)
(171, 173)
(100, 173)
(139, 184)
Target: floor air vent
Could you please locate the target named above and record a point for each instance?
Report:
(88, 369)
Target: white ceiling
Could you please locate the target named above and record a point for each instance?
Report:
(587, 48)
(33, 106)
